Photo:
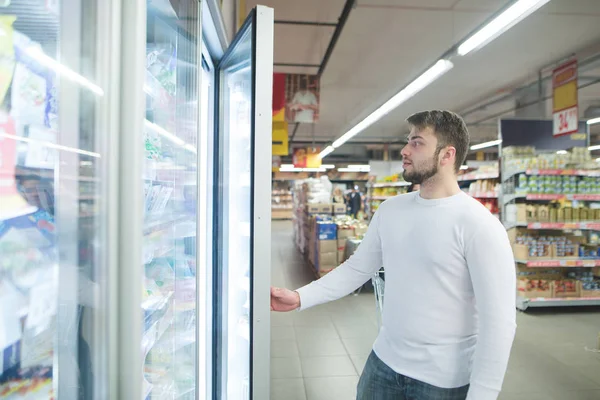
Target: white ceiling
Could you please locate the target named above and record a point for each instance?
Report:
(387, 43)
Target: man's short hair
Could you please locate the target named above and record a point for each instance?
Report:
(449, 128)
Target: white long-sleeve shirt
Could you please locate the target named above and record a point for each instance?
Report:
(449, 306)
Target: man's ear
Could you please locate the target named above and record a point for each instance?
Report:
(448, 154)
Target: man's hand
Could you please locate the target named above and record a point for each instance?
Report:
(284, 300)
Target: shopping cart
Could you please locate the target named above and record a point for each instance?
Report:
(379, 288)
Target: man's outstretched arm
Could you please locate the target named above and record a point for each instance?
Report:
(341, 281)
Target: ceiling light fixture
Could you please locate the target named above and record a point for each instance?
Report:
(464, 167)
(486, 144)
(353, 170)
(359, 166)
(593, 121)
(561, 152)
(426, 78)
(50, 145)
(594, 147)
(38, 54)
(328, 150)
(517, 12)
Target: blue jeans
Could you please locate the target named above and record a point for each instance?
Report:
(380, 382)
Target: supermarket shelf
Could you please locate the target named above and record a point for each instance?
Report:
(476, 177)
(383, 198)
(510, 225)
(563, 225)
(389, 184)
(551, 172)
(483, 195)
(524, 303)
(570, 263)
(550, 197)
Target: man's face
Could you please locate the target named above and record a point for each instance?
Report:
(420, 156)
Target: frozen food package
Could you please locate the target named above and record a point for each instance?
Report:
(7, 53)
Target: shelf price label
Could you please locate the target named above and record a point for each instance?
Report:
(565, 99)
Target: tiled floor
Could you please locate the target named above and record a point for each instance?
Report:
(319, 354)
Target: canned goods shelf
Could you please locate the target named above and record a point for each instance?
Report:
(550, 197)
(477, 177)
(574, 263)
(591, 226)
(551, 172)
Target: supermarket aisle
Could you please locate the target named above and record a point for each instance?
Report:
(319, 354)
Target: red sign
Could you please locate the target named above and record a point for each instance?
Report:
(565, 99)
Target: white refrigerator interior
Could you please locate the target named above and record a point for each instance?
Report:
(170, 182)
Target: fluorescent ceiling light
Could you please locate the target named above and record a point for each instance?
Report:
(302, 169)
(427, 77)
(287, 166)
(327, 166)
(164, 133)
(562, 152)
(520, 10)
(594, 147)
(328, 150)
(486, 144)
(593, 121)
(190, 147)
(464, 167)
(359, 166)
(38, 54)
(352, 170)
(50, 145)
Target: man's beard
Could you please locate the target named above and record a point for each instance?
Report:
(417, 177)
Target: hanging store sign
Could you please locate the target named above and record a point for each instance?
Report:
(280, 146)
(307, 158)
(302, 93)
(565, 109)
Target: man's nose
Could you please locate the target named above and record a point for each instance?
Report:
(404, 151)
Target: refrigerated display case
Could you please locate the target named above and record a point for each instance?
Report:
(52, 223)
(170, 184)
(134, 201)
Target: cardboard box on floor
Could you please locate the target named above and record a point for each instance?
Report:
(319, 208)
(341, 256)
(328, 246)
(339, 208)
(345, 233)
(328, 260)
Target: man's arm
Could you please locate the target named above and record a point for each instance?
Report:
(350, 275)
(492, 269)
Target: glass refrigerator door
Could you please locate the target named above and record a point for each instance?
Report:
(170, 176)
(53, 334)
(245, 91)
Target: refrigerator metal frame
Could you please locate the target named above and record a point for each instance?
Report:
(261, 21)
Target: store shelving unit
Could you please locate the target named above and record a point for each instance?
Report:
(483, 186)
(282, 205)
(391, 189)
(540, 187)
